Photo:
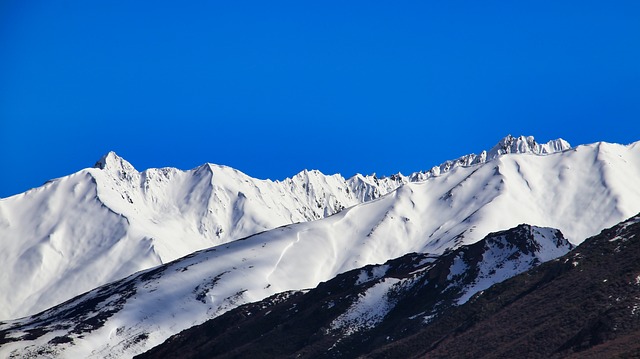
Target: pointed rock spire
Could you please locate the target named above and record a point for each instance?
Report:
(527, 144)
(111, 162)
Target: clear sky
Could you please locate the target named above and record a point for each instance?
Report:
(273, 87)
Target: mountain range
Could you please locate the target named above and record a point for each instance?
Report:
(167, 249)
(104, 223)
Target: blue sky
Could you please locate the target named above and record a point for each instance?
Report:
(271, 88)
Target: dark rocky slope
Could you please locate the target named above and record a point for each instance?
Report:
(583, 305)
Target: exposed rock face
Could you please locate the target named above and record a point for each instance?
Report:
(585, 304)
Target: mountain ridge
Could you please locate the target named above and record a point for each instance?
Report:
(508, 144)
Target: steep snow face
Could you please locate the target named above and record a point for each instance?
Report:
(59, 236)
(188, 210)
(104, 223)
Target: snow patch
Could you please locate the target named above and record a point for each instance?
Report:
(374, 273)
(369, 309)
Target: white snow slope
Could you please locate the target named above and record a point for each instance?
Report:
(579, 191)
(101, 224)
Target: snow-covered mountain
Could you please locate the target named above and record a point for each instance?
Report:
(579, 191)
(104, 223)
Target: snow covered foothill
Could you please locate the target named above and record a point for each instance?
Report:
(579, 191)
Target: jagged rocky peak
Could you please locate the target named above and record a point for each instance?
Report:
(527, 144)
(113, 163)
(308, 175)
(219, 170)
(112, 160)
(509, 144)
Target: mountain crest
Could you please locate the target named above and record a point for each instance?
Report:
(111, 162)
(508, 144)
(527, 144)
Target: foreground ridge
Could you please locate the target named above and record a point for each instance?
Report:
(364, 308)
(582, 305)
